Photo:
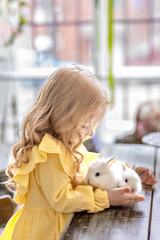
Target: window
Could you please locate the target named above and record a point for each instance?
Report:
(137, 31)
(63, 30)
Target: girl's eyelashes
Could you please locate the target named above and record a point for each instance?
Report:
(85, 127)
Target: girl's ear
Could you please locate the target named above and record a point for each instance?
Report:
(110, 162)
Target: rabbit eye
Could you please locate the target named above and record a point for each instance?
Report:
(126, 180)
(97, 174)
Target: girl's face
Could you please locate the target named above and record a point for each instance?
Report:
(88, 128)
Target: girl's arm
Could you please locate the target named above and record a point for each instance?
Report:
(58, 190)
(56, 186)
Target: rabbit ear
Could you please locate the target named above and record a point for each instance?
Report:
(124, 167)
(100, 156)
(110, 162)
(134, 167)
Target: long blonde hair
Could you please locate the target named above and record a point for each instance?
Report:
(69, 96)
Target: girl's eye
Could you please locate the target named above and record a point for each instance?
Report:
(126, 180)
(97, 174)
(85, 127)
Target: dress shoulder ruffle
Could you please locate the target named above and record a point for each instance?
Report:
(21, 176)
(38, 154)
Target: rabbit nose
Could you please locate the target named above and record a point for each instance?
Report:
(133, 190)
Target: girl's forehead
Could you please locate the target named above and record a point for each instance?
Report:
(99, 114)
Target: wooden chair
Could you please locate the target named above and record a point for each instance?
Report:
(6, 208)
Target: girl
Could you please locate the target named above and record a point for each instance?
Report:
(50, 158)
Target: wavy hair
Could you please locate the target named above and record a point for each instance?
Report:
(68, 97)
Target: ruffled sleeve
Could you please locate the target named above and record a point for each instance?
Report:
(100, 201)
(21, 176)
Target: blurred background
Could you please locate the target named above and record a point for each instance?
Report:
(118, 40)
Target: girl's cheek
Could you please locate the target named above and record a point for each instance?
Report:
(84, 134)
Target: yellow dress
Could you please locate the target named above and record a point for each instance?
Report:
(47, 195)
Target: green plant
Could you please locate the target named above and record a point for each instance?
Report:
(110, 48)
(109, 40)
(22, 20)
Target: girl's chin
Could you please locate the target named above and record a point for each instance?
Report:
(86, 138)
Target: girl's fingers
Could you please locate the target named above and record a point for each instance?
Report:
(133, 200)
(143, 175)
(130, 196)
(148, 178)
(139, 198)
(123, 190)
(136, 199)
(144, 180)
(123, 197)
(150, 182)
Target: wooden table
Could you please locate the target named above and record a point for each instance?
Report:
(139, 222)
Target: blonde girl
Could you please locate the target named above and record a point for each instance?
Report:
(50, 157)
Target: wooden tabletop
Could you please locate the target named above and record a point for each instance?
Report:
(141, 221)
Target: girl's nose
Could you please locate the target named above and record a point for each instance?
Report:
(91, 133)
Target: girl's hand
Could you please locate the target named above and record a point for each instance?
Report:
(123, 197)
(146, 176)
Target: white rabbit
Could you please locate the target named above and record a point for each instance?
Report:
(109, 174)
